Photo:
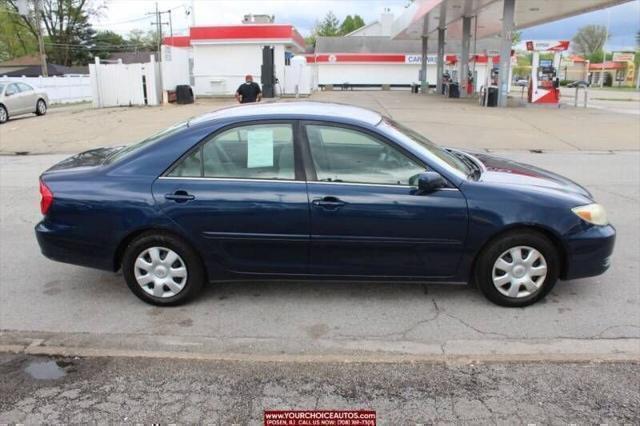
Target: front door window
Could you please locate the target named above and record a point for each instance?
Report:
(345, 155)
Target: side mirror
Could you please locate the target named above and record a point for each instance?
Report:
(430, 181)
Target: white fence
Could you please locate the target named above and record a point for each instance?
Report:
(125, 84)
(61, 90)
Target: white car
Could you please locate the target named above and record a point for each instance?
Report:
(20, 98)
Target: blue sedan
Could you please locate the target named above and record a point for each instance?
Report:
(317, 190)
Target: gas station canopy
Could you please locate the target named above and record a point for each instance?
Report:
(424, 17)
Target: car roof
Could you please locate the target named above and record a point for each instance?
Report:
(291, 109)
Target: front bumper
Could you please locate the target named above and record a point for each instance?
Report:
(589, 252)
(60, 243)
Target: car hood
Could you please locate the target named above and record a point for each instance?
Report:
(504, 171)
(88, 159)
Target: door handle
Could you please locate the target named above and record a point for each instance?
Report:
(328, 202)
(180, 197)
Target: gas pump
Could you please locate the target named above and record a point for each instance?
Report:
(544, 87)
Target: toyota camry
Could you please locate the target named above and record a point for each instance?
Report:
(316, 190)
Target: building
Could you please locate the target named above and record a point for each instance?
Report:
(215, 59)
(31, 66)
(363, 58)
(618, 72)
(574, 68)
(258, 19)
(381, 27)
(133, 57)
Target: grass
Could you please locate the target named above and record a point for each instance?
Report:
(621, 88)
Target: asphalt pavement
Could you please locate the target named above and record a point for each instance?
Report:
(42, 299)
(42, 390)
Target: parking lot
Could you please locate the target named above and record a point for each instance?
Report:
(450, 122)
(48, 307)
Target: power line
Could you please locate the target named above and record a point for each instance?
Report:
(108, 24)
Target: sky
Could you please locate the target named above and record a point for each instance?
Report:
(124, 15)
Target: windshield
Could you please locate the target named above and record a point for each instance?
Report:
(440, 154)
(1, 88)
(127, 150)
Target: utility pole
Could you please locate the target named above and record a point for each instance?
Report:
(158, 23)
(43, 55)
(604, 48)
(159, 32)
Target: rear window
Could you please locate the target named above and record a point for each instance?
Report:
(128, 150)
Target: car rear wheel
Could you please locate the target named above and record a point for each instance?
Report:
(162, 269)
(41, 107)
(518, 269)
(4, 115)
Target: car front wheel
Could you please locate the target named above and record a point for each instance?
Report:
(518, 269)
(162, 269)
(41, 107)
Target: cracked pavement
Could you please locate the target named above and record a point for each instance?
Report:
(222, 393)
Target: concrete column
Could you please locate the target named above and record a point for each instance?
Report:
(423, 65)
(464, 56)
(440, 60)
(505, 51)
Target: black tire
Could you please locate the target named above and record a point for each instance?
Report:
(4, 114)
(196, 275)
(41, 109)
(488, 257)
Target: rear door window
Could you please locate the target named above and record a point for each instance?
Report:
(257, 151)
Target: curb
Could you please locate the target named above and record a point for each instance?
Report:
(210, 349)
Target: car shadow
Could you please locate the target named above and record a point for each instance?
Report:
(326, 291)
(21, 117)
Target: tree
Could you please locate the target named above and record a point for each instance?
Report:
(347, 25)
(140, 40)
(516, 37)
(590, 39)
(350, 24)
(106, 43)
(597, 57)
(358, 22)
(67, 31)
(329, 26)
(15, 40)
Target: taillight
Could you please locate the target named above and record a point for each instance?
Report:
(47, 198)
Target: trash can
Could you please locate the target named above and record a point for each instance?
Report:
(454, 90)
(184, 94)
(414, 88)
(492, 97)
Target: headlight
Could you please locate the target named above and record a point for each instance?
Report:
(592, 213)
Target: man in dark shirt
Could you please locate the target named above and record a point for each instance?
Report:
(249, 91)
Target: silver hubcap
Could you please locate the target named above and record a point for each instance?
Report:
(41, 107)
(3, 115)
(519, 272)
(160, 272)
